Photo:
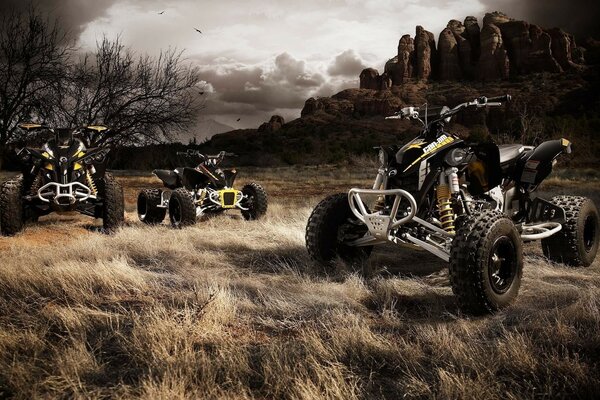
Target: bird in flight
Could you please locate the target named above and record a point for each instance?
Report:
(201, 93)
(161, 13)
(197, 30)
(238, 120)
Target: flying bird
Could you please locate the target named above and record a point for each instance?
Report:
(238, 120)
(161, 13)
(201, 93)
(197, 30)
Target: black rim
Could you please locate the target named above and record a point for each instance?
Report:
(142, 207)
(175, 211)
(589, 232)
(502, 264)
(249, 203)
(349, 230)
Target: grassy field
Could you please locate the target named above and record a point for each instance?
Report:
(236, 309)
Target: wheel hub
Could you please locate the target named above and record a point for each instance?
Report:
(502, 266)
(589, 232)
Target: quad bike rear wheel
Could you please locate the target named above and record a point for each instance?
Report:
(576, 244)
(486, 262)
(329, 227)
(113, 210)
(182, 210)
(256, 201)
(148, 208)
(12, 215)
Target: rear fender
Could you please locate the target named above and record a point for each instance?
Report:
(534, 168)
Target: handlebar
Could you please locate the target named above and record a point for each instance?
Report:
(500, 99)
(413, 112)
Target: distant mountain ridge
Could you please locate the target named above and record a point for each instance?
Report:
(204, 129)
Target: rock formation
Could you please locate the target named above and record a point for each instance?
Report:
(493, 62)
(370, 79)
(400, 68)
(502, 46)
(449, 62)
(424, 46)
(274, 124)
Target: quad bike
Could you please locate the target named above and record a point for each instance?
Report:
(470, 204)
(204, 190)
(62, 176)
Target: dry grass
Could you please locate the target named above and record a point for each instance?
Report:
(235, 309)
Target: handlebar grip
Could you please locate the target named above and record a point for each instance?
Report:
(501, 99)
(394, 117)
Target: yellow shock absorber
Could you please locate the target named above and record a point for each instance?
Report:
(91, 183)
(445, 207)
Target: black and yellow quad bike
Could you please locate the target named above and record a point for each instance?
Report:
(470, 204)
(62, 176)
(203, 190)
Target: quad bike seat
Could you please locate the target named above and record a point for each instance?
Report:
(171, 179)
(509, 153)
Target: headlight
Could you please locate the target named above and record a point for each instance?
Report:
(383, 157)
(456, 157)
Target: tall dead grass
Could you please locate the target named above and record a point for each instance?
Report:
(235, 309)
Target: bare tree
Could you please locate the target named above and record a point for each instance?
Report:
(141, 98)
(33, 52)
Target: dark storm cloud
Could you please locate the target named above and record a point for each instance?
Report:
(72, 14)
(347, 63)
(579, 17)
(286, 85)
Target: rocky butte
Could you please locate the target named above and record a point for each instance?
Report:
(501, 48)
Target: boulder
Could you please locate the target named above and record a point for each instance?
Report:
(493, 62)
(424, 47)
(274, 124)
(449, 61)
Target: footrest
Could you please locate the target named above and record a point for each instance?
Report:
(544, 211)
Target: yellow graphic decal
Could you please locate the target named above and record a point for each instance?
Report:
(432, 147)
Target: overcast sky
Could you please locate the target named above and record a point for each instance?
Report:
(264, 57)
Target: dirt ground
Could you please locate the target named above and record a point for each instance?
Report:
(236, 309)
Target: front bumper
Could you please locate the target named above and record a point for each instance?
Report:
(382, 226)
(64, 193)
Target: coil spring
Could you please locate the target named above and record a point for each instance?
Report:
(91, 183)
(445, 208)
(379, 204)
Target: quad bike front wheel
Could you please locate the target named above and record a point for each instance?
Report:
(256, 201)
(486, 262)
(113, 210)
(330, 226)
(576, 244)
(12, 215)
(182, 210)
(148, 208)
